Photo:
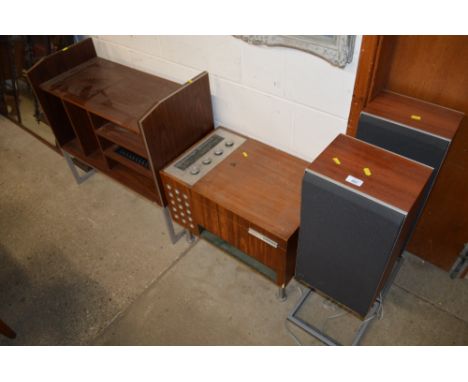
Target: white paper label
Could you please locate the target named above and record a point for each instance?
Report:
(357, 182)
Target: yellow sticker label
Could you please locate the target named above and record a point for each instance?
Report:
(64, 49)
(336, 160)
(416, 117)
(245, 154)
(189, 81)
(367, 171)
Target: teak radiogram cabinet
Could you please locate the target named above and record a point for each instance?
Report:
(123, 122)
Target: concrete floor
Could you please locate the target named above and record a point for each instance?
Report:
(92, 264)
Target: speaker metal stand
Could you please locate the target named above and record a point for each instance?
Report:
(373, 313)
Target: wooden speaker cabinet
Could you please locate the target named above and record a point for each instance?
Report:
(358, 205)
(432, 71)
(243, 192)
(410, 127)
(123, 122)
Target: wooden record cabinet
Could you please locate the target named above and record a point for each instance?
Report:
(121, 121)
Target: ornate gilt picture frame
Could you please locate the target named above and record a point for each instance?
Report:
(336, 49)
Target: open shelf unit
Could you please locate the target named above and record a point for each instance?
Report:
(123, 122)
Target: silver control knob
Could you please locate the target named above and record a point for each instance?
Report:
(229, 143)
(218, 151)
(206, 161)
(194, 170)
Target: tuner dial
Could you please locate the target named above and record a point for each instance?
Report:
(219, 151)
(194, 170)
(229, 143)
(206, 161)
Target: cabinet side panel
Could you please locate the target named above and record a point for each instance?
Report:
(50, 67)
(178, 122)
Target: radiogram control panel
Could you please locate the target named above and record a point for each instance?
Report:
(204, 156)
(180, 175)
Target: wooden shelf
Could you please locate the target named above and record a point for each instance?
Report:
(138, 183)
(92, 84)
(94, 159)
(124, 138)
(94, 106)
(143, 185)
(434, 119)
(110, 153)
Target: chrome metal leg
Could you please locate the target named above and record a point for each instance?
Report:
(282, 293)
(373, 313)
(189, 236)
(170, 227)
(79, 178)
(460, 264)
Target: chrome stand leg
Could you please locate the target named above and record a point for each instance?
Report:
(282, 293)
(170, 227)
(79, 178)
(189, 236)
(371, 315)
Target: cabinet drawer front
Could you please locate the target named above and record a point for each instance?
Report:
(237, 232)
(262, 237)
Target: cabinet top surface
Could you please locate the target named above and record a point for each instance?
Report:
(389, 178)
(260, 184)
(116, 92)
(422, 115)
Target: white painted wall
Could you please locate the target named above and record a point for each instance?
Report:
(284, 97)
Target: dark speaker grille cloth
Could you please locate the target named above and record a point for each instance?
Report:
(410, 143)
(345, 241)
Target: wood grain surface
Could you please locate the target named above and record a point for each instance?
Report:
(432, 69)
(263, 187)
(394, 180)
(434, 119)
(114, 91)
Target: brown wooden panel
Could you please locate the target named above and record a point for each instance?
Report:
(123, 137)
(111, 153)
(138, 183)
(205, 213)
(235, 231)
(92, 84)
(384, 54)
(394, 180)
(49, 67)
(433, 69)
(82, 127)
(433, 118)
(260, 184)
(443, 228)
(255, 187)
(291, 254)
(177, 122)
(364, 75)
